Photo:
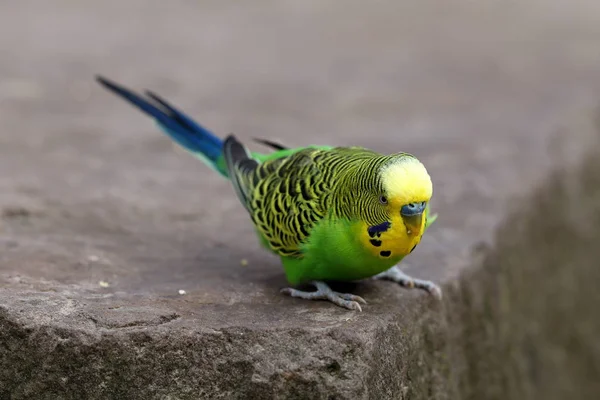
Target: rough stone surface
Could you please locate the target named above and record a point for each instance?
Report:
(91, 193)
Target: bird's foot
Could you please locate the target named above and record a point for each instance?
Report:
(324, 292)
(396, 275)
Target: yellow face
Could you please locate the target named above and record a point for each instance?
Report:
(407, 191)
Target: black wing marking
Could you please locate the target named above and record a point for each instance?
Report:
(239, 164)
(269, 143)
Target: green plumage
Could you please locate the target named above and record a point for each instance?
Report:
(308, 203)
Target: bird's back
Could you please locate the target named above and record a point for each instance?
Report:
(287, 195)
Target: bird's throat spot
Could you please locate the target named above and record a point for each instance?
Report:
(375, 242)
(377, 230)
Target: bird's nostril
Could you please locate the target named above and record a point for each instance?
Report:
(411, 205)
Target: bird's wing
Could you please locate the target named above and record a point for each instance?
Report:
(284, 196)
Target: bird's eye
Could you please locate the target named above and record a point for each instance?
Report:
(382, 199)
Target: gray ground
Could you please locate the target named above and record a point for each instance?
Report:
(91, 192)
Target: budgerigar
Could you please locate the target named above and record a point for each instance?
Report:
(330, 213)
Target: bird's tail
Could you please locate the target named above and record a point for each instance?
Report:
(182, 129)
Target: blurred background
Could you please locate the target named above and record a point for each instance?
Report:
(474, 89)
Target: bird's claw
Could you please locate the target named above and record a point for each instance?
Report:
(324, 292)
(435, 291)
(407, 283)
(396, 275)
(346, 300)
(351, 297)
(430, 287)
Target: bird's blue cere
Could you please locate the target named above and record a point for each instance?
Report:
(411, 209)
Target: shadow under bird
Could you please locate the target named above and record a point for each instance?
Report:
(330, 213)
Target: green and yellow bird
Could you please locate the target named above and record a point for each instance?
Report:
(329, 213)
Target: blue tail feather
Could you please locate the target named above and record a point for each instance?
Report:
(173, 122)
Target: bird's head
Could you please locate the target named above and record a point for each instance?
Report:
(407, 190)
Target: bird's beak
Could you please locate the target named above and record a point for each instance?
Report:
(413, 223)
(412, 215)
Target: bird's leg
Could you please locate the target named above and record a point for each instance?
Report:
(324, 292)
(396, 275)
